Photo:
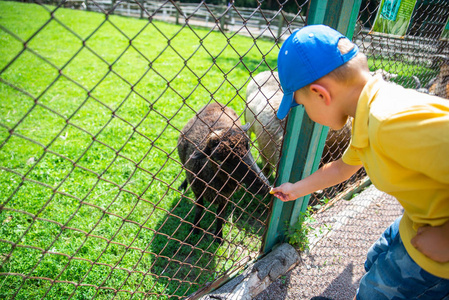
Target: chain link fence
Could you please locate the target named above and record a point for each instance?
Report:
(92, 107)
(94, 202)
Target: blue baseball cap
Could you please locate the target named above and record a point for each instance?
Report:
(307, 55)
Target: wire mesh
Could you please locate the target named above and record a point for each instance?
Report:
(93, 106)
(93, 103)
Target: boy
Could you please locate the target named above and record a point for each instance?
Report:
(400, 136)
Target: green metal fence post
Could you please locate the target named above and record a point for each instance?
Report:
(280, 25)
(304, 140)
(142, 2)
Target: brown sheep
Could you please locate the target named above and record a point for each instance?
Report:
(214, 150)
(440, 86)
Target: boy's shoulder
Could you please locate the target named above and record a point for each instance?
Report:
(393, 101)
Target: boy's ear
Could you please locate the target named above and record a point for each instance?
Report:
(321, 92)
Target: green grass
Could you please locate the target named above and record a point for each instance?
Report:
(89, 123)
(404, 68)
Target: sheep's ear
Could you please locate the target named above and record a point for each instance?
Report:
(245, 127)
(212, 141)
(197, 154)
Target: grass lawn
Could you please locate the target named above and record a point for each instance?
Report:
(90, 112)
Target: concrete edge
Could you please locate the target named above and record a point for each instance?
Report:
(258, 276)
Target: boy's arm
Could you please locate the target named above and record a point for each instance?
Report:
(328, 175)
(433, 242)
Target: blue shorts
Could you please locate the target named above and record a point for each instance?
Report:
(392, 274)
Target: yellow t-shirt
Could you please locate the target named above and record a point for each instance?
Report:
(402, 139)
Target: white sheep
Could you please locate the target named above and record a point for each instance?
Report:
(263, 97)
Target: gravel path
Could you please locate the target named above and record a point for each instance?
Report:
(334, 265)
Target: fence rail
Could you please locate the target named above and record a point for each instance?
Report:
(272, 24)
(247, 21)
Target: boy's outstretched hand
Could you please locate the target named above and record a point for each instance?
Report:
(328, 175)
(285, 192)
(433, 242)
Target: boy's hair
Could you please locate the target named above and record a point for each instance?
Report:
(345, 73)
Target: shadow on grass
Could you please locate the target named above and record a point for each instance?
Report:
(186, 262)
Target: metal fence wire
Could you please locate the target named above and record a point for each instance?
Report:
(102, 119)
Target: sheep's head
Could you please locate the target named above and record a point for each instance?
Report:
(229, 149)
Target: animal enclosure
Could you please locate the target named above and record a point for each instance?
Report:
(93, 102)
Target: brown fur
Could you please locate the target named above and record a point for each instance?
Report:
(214, 150)
(441, 85)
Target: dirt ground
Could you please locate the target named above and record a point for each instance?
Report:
(333, 266)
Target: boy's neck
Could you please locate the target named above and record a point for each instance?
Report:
(350, 94)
